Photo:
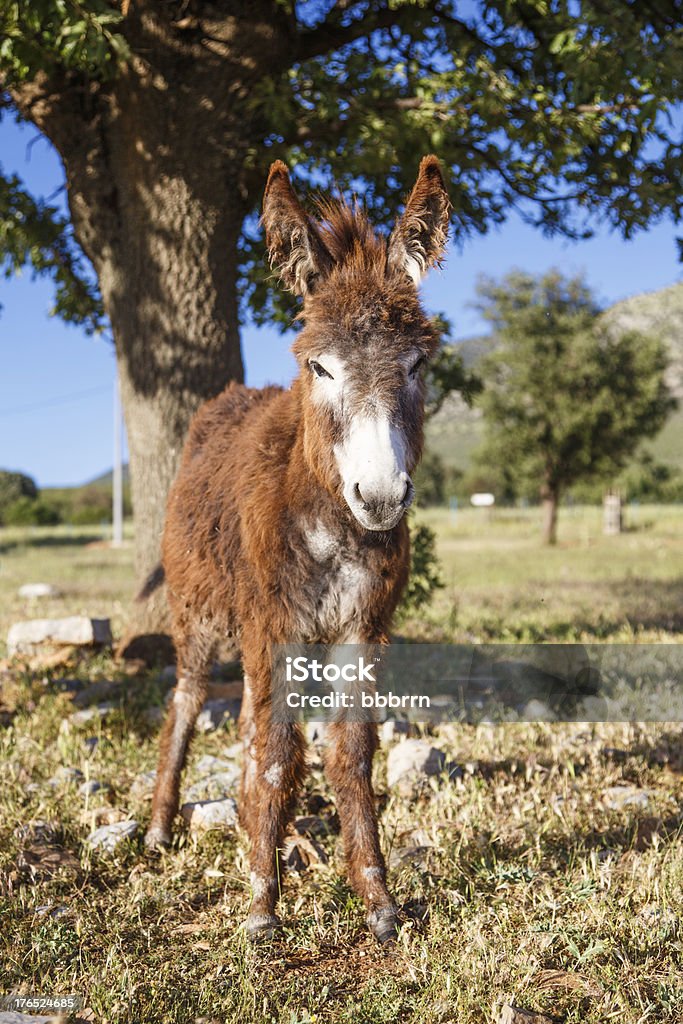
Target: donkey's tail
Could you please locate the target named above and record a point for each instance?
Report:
(152, 583)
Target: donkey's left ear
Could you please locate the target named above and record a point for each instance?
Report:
(295, 247)
(418, 241)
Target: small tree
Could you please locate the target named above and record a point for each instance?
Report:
(13, 487)
(565, 399)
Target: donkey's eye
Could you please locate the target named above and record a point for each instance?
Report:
(417, 366)
(319, 370)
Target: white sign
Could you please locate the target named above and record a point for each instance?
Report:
(483, 500)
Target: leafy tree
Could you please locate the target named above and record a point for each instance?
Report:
(566, 399)
(14, 486)
(166, 116)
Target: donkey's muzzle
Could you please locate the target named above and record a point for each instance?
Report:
(381, 510)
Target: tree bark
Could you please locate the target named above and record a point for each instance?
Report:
(159, 182)
(551, 498)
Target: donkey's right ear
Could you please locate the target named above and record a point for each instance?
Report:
(295, 247)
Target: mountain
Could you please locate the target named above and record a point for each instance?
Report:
(456, 430)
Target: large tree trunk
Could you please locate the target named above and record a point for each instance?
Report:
(159, 183)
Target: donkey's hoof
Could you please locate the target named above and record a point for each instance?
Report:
(262, 926)
(383, 924)
(157, 838)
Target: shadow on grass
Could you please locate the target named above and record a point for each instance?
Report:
(47, 541)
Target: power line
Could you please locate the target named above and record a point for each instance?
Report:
(63, 400)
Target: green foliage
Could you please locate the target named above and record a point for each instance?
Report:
(14, 486)
(72, 35)
(435, 482)
(30, 512)
(567, 399)
(425, 576)
(557, 110)
(34, 233)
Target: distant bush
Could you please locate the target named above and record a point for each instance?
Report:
(30, 512)
(425, 575)
(435, 482)
(13, 487)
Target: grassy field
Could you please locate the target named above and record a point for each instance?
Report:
(526, 878)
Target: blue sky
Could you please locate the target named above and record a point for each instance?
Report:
(56, 384)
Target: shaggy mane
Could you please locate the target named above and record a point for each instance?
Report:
(349, 236)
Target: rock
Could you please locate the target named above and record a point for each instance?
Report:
(108, 837)
(393, 729)
(32, 590)
(513, 1015)
(537, 711)
(215, 713)
(91, 786)
(209, 765)
(214, 787)
(204, 815)
(78, 631)
(142, 786)
(619, 797)
(154, 716)
(63, 776)
(411, 762)
(92, 714)
(96, 693)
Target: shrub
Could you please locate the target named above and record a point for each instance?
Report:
(30, 512)
(425, 575)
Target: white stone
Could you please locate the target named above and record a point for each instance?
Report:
(91, 786)
(412, 761)
(31, 590)
(618, 797)
(78, 630)
(393, 729)
(108, 837)
(85, 715)
(537, 711)
(142, 786)
(214, 787)
(209, 765)
(204, 815)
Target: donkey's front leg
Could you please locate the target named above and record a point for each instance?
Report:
(349, 769)
(273, 788)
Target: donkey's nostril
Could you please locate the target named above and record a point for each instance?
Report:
(408, 494)
(358, 495)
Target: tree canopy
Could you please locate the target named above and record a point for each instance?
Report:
(556, 109)
(566, 397)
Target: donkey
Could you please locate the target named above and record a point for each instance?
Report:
(286, 521)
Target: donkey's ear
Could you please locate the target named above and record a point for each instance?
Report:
(418, 241)
(294, 246)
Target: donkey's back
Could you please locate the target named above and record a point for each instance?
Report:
(201, 549)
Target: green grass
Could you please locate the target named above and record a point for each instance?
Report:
(528, 889)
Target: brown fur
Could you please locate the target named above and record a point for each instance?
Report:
(257, 476)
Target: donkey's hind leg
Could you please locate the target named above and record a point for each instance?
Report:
(194, 654)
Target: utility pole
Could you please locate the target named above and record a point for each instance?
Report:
(117, 473)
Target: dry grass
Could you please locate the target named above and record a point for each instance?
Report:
(518, 883)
